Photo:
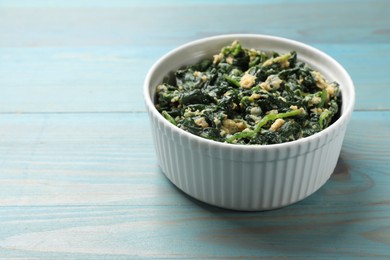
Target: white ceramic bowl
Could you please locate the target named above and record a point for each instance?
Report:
(247, 177)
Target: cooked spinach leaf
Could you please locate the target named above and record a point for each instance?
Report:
(248, 96)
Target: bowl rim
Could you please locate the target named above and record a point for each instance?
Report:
(347, 107)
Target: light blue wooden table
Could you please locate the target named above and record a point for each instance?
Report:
(78, 172)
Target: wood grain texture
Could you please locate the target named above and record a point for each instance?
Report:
(131, 23)
(193, 232)
(78, 172)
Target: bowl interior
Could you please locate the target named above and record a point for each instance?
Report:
(197, 50)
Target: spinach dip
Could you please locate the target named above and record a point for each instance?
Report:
(247, 96)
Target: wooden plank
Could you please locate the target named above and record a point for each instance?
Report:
(93, 79)
(74, 79)
(148, 3)
(86, 25)
(193, 232)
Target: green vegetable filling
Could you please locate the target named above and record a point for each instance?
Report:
(247, 96)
